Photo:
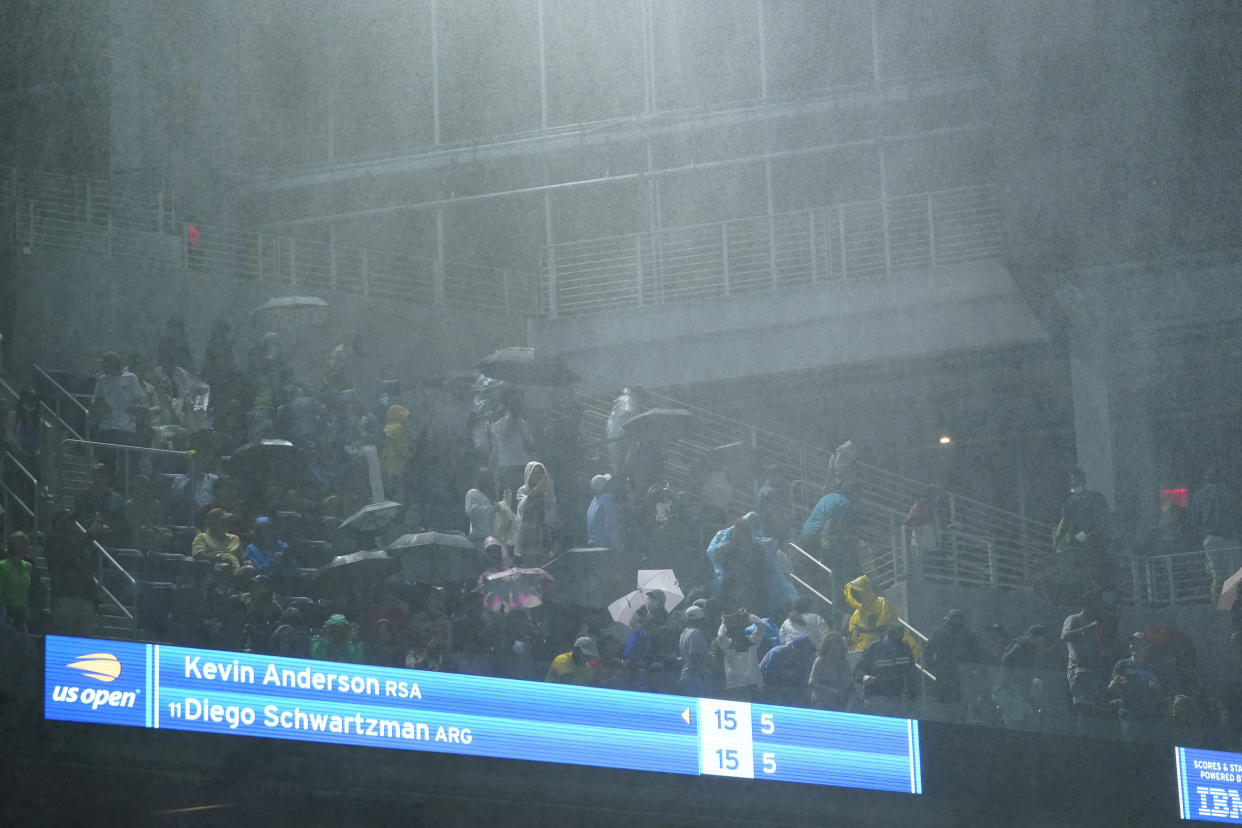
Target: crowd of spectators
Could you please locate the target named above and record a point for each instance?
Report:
(251, 569)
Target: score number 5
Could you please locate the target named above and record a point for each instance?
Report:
(768, 727)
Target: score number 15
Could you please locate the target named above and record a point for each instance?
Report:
(727, 720)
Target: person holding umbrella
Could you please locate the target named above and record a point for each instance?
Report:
(511, 444)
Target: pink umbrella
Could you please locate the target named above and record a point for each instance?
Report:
(512, 589)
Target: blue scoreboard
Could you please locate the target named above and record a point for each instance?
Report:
(209, 691)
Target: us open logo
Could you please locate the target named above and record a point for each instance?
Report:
(102, 667)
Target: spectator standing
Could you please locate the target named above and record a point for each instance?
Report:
(830, 529)
(538, 519)
(738, 641)
(395, 452)
(15, 579)
(802, 620)
(1082, 533)
(174, 347)
(70, 564)
(886, 672)
(21, 430)
(772, 505)
(1022, 659)
(480, 511)
(950, 646)
(1217, 517)
(115, 402)
(872, 616)
(1088, 650)
(100, 508)
(511, 445)
(1138, 685)
(786, 671)
(602, 520)
(697, 676)
(832, 686)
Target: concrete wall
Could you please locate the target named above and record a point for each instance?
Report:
(939, 310)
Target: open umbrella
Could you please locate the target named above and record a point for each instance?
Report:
(1229, 591)
(290, 312)
(370, 563)
(527, 366)
(278, 458)
(512, 589)
(373, 517)
(437, 557)
(623, 608)
(659, 423)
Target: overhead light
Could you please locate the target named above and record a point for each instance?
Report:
(945, 439)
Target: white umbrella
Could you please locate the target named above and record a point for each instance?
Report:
(623, 608)
(290, 312)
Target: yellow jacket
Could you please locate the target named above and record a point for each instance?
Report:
(871, 614)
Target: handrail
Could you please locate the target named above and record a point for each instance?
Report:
(123, 447)
(64, 391)
(106, 556)
(60, 423)
(31, 512)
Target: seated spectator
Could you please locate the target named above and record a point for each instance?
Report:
(803, 621)
(15, 578)
(338, 641)
(290, 638)
(147, 516)
(70, 563)
(574, 666)
(383, 649)
(215, 544)
(267, 554)
(100, 508)
(261, 613)
(1142, 693)
(872, 614)
(603, 528)
(480, 511)
(832, 686)
(228, 496)
(786, 671)
(737, 641)
(886, 672)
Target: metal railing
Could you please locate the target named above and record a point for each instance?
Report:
(105, 557)
(91, 447)
(1015, 543)
(10, 498)
(772, 252)
(88, 213)
(63, 397)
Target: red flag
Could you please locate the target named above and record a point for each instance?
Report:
(191, 233)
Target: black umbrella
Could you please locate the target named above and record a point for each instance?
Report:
(438, 557)
(659, 423)
(527, 366)
(371, 563)
(269, 456)
(373, 516)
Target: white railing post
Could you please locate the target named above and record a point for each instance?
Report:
(993, 576)
(724, 255)
(88, 201)
(810, 234)
(1168, 568)
(638, 266)
(841, 233)
(772, 248)
(504, 275)
(261, 268)
(293, 261)
(552, 311)
(31, 225)
(332, 260)
(931, 229)
(366, 276)
(1136, 583)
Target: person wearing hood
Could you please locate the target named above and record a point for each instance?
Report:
(872, 615)
(538, 522)
(395, 453)
(786, 669)
(603, 528)
(498, 558)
